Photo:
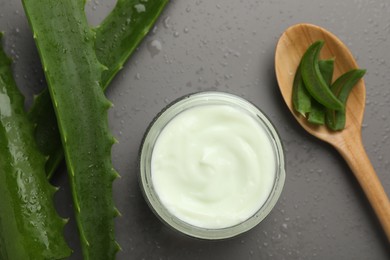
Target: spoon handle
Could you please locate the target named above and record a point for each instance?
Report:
(352, 150)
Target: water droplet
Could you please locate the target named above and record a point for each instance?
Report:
(176, 34)
(166, 22)
(24, 198)
(185, 30)
(137, 76)
(228, 76)
(140, 8)
(284, 226)
(154, 47)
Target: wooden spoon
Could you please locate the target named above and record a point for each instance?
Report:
(348, 142)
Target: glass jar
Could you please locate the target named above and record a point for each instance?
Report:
(145, 164)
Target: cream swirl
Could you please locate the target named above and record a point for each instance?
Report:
(213, 166)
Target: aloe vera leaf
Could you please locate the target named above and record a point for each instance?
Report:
(122, 30)
(326, 68)
(29, 225)
(317, 113)
(342, 87)
(314, 82)
(116, 39)
(303, 102)
(65, 44)
(301, 98)
(46, 131)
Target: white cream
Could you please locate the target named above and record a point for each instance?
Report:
(213, 166)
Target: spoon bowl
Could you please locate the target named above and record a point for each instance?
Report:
(291, 46)
(348, 142)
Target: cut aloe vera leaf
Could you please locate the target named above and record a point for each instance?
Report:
(30, 227)
(116, 39)
(66, 45)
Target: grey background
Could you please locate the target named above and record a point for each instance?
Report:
(228, 45)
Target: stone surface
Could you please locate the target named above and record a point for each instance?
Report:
(228, 45)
